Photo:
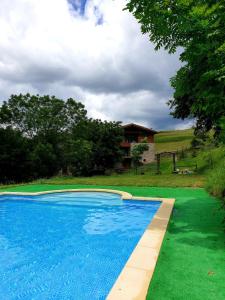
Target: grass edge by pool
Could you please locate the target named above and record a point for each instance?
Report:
(142, 261)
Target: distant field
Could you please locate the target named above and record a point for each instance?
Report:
(173, 140)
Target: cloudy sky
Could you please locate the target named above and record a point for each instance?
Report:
(90, 50)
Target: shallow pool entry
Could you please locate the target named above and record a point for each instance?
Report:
(68, 245)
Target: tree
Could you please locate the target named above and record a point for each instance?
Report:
(14, 156)
(78, 157)
(136, 153)
(41, 116)
(222, 135)
(105, 138)
(45, 122)
(44, 160)
(197, 27)
(42, 135)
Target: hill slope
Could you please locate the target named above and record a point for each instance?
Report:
(173, 140)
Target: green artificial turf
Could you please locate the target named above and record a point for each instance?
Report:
(191, 265)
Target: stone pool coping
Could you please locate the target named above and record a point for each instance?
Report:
(135, 277)
(133, 281)
(124, 195)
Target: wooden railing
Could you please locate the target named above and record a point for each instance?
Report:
(125, 144)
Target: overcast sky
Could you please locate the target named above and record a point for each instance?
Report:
(90, 50)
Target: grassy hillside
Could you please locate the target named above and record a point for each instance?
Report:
(173, 140)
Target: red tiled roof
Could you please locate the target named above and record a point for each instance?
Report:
(132, 125)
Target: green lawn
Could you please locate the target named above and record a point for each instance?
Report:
(191, 264)
(130, 179)
(173, 140)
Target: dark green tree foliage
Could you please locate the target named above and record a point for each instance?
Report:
(78, 157)
(222, 135)
(44, 160)
(106, 138)
(42, 135)
(136, 153)
(41, 116)
(14, 156)
(197, 28)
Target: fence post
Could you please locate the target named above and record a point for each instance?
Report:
(158, 163)
(174, 162)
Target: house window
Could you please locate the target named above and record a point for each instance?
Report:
(132, 139)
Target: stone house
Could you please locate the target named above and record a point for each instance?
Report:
(133, 135)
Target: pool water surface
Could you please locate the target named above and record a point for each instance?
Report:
(68, 245)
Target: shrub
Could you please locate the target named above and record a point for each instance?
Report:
(210, 159)
(215, 183)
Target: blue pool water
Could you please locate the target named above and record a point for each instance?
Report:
(68, 245)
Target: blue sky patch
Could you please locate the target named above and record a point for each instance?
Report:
(99, 16)
(78, 5)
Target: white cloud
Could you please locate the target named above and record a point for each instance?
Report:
(47, 47)
(185, 124)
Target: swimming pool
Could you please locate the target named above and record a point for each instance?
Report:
(67, 245)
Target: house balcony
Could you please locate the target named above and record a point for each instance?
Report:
(125, 144)
(127, 156)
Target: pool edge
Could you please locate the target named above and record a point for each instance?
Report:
(124, 195)
(135, 278)
(136, 275)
